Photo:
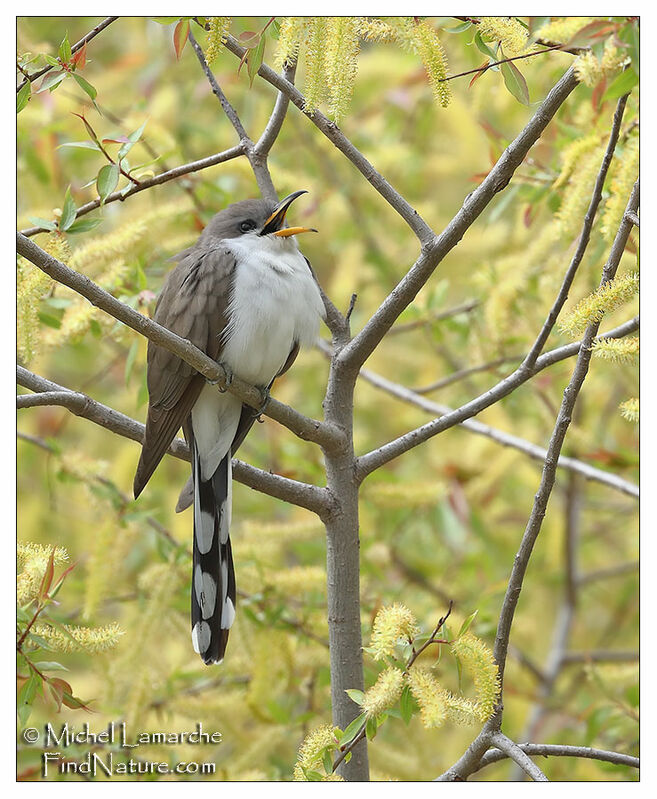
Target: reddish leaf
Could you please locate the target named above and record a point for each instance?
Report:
(249, 39)
(74, 703)
(598, 91)
(118, 140)
(180, 36)
(46, 582)
(527, 216)
(482, 69)
(589, 33)
(90, 130)
(80, 57)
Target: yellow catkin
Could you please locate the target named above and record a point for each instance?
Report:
(219, 27)
(619, 350)
(429, 696)
(626, 171)
(290, 36)
(312, 749)
(561, 30)
(391, 623)
(384, 693)
(510, 33)
(375, 29)
(477, 660)
(630, 409)
(316, 32)
(81, 639)
(588, 69)
(608, 297)
(31, 286)
(432, 55)
(572, 155)
(33, 561)
(342, 48)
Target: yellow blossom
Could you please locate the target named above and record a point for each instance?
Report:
(478, 662)
(511, 34)
(384, 693)
(216, 37)
(630, 409)
(606, 298)
(619, 350)
(429, 696)
(433, 57)
(312, 750)
(391, 623)
(80, 639)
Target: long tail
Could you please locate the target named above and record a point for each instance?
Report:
(213, 576)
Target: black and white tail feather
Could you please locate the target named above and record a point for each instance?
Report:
(213, 579)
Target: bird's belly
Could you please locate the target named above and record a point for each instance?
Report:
(275, 304)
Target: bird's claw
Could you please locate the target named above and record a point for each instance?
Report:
(228, 379)
(265, 397)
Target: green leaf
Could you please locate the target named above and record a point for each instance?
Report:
(515, 82)
(249, 39)
(51, 81)
(50, 665)
(355, 695)
(458, 28)
(165, 20)
(68, 211)
(466, 624)
(65, 50)
(23, 96)
(46, 223)
(622, 84)
(85, 145)
(483, 47)
(107, 181)
(351, 730)
(85, 86)
(254, 60)
(327, 760)
(53, 62)
(83, 225)
(133, 138)
(406, 704)
(371, 728)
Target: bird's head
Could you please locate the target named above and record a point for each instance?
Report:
(254, 218)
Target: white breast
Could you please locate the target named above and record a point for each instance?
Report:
(275, 304)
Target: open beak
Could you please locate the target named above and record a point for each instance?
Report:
(277, 219)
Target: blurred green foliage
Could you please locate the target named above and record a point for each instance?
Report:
(442, 522)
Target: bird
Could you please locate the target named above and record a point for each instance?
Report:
(245, 295)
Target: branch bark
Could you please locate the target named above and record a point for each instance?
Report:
(304, 427)
(561, 750)
(312, 497)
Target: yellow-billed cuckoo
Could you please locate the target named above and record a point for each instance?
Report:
(246, 296)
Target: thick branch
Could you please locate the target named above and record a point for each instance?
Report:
(147, 183)
(363, 344)
(307, 496)
(301, 425)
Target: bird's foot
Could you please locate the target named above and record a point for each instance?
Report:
(228, 372)
(265, 397)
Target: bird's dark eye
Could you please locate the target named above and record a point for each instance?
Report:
(246, 225)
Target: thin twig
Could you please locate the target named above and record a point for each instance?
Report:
(513, 751)
(74, 48)
(156, 180)
(561, 750)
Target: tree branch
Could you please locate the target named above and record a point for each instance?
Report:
(308, 496)
(433, 252)
(561, 750)
(74, 48)
(273, 128)
(258, 163)
(157, 180)
(584, 237)
(512, 750)
(303, 426)
(373, 460)
(335, 135)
